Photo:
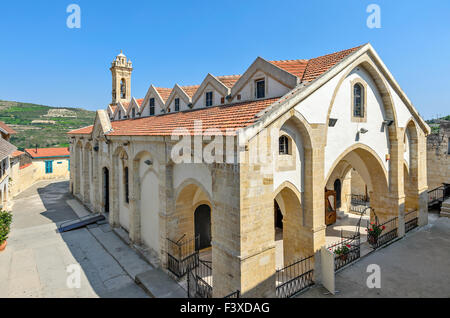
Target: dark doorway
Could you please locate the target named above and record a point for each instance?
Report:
(106, 189)
(337, 188)
(202, 221)
(278, 215)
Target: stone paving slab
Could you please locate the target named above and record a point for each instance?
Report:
(160, 285)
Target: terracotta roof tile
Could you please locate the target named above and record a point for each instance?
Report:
(6, 128)
(295, 67)
(139, 101)
(82, 131)
(190, 90)
(164, 92)
(47, 152)
(231, 117)
(319, 65)
(17, 153)
(229, 80)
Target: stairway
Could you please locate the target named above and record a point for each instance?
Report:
(445, 208)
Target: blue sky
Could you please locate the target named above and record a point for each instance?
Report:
(43, 61)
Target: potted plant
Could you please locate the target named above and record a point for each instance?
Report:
(5, 226)
(342, 251)
(373, 232)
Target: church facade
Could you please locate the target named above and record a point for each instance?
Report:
(214, 160)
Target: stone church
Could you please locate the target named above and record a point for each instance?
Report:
(216, 162)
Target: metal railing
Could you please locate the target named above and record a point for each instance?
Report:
(235, 294)
(294, 278)
(358, 202)
(389, 233)
(346, 251)
(436, 196)
(182, 255)
(199, 281)
(411, 221)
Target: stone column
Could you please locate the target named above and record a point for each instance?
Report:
(114, 193)
(394, 202)
(422, 183)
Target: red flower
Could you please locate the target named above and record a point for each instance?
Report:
(348, 246)
(383, 227)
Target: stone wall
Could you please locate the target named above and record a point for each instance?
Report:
(438, 158)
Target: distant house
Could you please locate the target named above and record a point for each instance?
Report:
(36, 164)
(6, 150)
(50, 163)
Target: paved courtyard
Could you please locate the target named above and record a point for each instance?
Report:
(36, 259)
(416, 266)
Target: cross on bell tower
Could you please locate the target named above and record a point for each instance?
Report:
(121, 69)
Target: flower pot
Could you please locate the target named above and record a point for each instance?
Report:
(2, 246)
(373, 240)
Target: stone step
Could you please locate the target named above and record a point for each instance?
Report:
(445, 209)
(341, 215)
(446, 204)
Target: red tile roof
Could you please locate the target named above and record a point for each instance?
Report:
(47, 152)
(295, 67)
(319, 65)
(17, 153)
(6, 128)
(139, 101)
(190, 90)
(164, 92)
(25, 165)
(230, 117)
(229, 80)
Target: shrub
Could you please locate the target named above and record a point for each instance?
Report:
(5, 225)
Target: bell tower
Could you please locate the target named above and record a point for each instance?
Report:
(121, 69)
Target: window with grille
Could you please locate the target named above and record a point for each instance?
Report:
(152, 106)
(209, 99)
(284, 145)
(358, 100)
(260, 88)
(125, 180)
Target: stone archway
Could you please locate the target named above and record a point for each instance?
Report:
(145, 215)
(189, 196)
(202, 226)
(292, 245)
(120, 208)
(371, 169)
(87, 172)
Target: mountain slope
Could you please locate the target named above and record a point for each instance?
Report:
(42, 125)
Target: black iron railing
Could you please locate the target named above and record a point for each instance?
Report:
(436, 196)
(358, 202)
(411, 221)
(235, 294)
(199, 281)
(294, 278)
(389, 233)
(182, 255)
(346, 251)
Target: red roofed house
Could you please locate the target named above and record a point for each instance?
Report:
(253, 171)
(49, 163)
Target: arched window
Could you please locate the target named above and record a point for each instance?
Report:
(123, 89)
(284, 145)
(358, 100)
(125, 181)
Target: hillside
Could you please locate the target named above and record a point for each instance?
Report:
(42, 125)
(435, 123)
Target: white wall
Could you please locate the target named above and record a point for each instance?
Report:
(343, 134)
(149, 204)
(273, 88)
(294, 176)
(197, 171)
(124, 216)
